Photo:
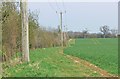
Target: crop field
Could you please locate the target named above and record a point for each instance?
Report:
(101, 52)
(52, 62)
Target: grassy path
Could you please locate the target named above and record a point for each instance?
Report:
(49, 62)
(90, 65)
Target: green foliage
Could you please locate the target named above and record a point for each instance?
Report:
(11, 38)
(101, 52)
(10, 29)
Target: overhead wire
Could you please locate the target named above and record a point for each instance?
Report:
(57, 5)
(51, 6)
(65, 18)
(59, 9)
(54, 9)
(63, 5)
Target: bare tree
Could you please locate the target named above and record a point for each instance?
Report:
(114, 32)
(105, 30)
(85, 33)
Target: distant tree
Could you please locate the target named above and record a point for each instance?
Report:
(105, 30)
(71, 34)
(114, 32)
(85, 33)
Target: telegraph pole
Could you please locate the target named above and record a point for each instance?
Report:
(61, 29)
(25, 31)
(64, 37)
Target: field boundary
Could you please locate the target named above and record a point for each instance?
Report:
(88, 49)
(92, 66)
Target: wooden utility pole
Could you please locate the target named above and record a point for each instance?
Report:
(25, 31)
(64, 37)
(61, 29)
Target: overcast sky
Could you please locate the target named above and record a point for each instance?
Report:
(79, 15)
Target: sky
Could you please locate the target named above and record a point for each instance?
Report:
(78, 16)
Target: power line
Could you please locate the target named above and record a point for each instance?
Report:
(63, 5)
(57, 5)
(64, 10)
(60, 12)
(51, 6)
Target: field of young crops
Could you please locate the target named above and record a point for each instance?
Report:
(101, 52)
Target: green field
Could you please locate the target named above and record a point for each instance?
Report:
(101, 52)
(48, 62)
(51, 62)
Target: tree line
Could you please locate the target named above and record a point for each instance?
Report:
(39, 36)
(106, 32)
